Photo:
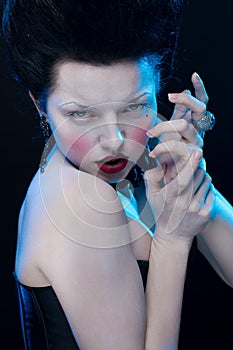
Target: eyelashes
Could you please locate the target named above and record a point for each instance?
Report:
(79, 114)
(136, 107)
(133, 109)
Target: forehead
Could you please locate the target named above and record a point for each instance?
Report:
(90, 84)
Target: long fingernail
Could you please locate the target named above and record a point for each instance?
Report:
(197, 76)
(172, 97)
(198, 154)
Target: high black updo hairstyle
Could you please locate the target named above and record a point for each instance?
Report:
(38, 34)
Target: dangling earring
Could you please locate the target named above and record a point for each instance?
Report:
(46, 133)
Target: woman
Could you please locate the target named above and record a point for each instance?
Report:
(86, 235)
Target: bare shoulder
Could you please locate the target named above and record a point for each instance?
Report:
(64, 212)
(77, 196)
(70, 189)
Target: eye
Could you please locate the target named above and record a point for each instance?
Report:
(79, 114)
(136, 107)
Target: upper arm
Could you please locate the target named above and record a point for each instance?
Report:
(216, 240)
(203, 248)
(93, 271)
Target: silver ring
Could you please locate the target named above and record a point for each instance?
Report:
(206, 122)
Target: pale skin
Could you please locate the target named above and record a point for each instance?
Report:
(111, 293)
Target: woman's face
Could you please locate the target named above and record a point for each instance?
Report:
(99, 115)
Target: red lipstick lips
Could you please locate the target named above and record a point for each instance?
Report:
(113, 165)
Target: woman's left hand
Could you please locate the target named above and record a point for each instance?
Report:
(180, 127)
(191, 108)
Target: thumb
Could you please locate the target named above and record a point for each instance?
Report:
(153, 179)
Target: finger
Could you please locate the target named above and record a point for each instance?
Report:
(201, 193)
(167, 131)
(153, 178)
(197, 107)
(188, 115)
(180, 110)
(181, 127)
(199, 177)
(184, 177)
(174, 126)
(173, 148)
(170, 130)
(208, 209)
(202, 165)
(199, 87)
(172, 153)
(185, 113)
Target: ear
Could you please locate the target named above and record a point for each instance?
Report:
(36, 103)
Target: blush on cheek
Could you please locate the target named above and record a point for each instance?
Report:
(79, 149)
(139, 135)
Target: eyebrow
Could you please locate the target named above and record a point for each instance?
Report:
(138, 97)
(85, 107)
(73, 102)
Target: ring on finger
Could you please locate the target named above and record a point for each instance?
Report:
(206, 122)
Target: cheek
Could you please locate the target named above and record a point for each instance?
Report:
(139, 135)
(80, 148)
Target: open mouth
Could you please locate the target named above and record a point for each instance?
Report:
(114, 165)
(113, 161)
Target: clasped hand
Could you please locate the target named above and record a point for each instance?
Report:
(179, 189)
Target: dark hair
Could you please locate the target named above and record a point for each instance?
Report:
(40, 33)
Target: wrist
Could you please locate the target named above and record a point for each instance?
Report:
(179, 245)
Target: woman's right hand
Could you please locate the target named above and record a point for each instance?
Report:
(182, 207)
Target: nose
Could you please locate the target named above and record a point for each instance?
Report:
(112, 137)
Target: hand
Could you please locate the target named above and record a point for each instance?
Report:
(183, 207)
(180, 126)
(189, 107)
(174, 134)
(179, 140)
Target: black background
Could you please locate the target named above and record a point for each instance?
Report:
(205, 46)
